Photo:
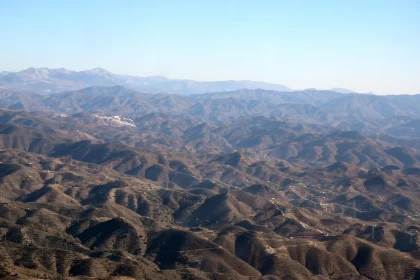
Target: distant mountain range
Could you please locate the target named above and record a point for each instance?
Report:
(47, 81)
(347, 111)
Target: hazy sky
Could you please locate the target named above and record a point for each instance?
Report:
(361, 45)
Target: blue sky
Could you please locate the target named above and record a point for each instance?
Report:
(367, 46)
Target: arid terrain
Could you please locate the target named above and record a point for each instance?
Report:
(124, 182)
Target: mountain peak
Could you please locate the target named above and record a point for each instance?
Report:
(34, 73)
(97, 71)
(342, 90)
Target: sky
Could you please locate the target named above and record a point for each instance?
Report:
(365, 46)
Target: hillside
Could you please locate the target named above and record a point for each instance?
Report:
(108, 182)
